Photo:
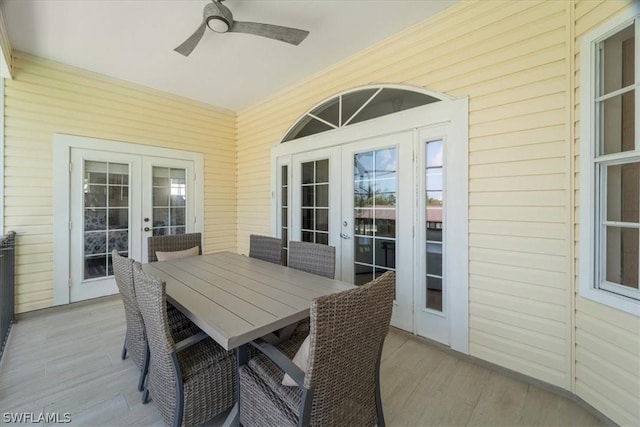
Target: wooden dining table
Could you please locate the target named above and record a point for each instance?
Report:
(236, 299)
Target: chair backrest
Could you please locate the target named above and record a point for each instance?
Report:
(135, 340)
(343, 366)
(265, 248)
(151, 297)
(172, 243)
(313, 258)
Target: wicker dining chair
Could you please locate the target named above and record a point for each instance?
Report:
(265, 248)
(191, 380)
(313, 258)
(172, 243)
(341, 386)
(135, 343)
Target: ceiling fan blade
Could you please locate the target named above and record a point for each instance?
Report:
(189, 44)
(276, 32)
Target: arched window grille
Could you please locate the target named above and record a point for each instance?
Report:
(359, 105)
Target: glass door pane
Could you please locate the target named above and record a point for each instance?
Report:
(377, 223)
(374, 213)
(434, 224)
(437, 266)
(106, 216)
(284, 218)
(169, 200)
(314, 211)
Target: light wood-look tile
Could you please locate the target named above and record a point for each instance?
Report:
(68, 360)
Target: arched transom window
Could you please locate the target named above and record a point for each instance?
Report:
(359, 105)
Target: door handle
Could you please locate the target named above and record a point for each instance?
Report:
(345, 236)
(147, 229)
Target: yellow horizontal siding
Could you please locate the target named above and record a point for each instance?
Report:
(519, 183)
(535, 276)
(508, 356)
(506, 167)
(524, 213)
(529, 245)
(617, 368)
(519, 319)
(96, 85)
(538, 151)
(51, 106)
(5, 49)
(510, 59)
(513, 198)
(547, 63)
(499, 83)
(624, 341)
(518, 259)
(518, 94)
(528, 357)
(516, 228)
(621, 387)
(540, 340)
(513, 124)
(607, 341)
(547, 295)
(46, 98)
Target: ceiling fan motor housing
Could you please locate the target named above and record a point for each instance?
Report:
(218, 17)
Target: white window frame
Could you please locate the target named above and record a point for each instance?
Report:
(590, 256)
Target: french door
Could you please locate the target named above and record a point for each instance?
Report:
(377, 217)
(352, 197)
(118, 200)
(386, 203)
(315, 199)
(390, 193)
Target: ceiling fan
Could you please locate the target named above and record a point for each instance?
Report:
(219, 18)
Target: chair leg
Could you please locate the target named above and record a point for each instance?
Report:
(379, 411)
(123, 355)
(145, 369)
(178, 411)
(242, 357)
(145, 396)
(304, 418)
(143, 376)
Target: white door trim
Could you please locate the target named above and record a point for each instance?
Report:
(457, 210)
(62, 145)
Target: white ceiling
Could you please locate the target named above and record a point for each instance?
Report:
(133, 40)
